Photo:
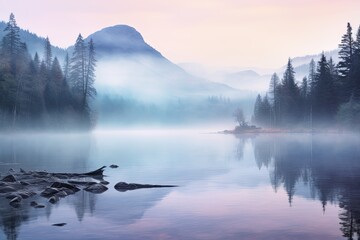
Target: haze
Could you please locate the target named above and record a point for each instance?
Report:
(221, 33)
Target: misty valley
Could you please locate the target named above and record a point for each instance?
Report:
(109, 139)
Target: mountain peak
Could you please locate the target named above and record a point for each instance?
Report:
(121, 40)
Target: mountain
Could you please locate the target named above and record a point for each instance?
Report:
(256, 79)
(121, 40)
(129, 66)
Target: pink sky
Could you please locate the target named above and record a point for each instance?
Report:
(235, 33)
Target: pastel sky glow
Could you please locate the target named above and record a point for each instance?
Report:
(262, 33)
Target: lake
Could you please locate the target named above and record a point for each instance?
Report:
(295, 186)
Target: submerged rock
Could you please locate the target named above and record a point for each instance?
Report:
(123, 186)
(59, 224)
(54, 199)
(96, 188)
(53, 186)
(39, 206)
(9, 178)
(113, 166)
(81, 182)
(49, 192)
(7, 189)
(65, 185)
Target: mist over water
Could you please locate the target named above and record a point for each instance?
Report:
(248, 187)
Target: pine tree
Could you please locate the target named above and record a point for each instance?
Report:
(325, 99)
(11, 43)
(274, 98)
(346, 59)
(36, 62)
(257, 110)
(312, 75)
(355, 68)
(265, 111)
(48, 54)
(66, 67)
(89, 91)
(77, 72)
(289, 96)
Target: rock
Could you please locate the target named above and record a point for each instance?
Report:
(123, 186)
(15, 204)
(7, 189)
(96, 188)
(16, 199)
(12, 195)
(24, 183)
(113, 166)
(62, 194)
(9, 178)
(39, 206)
(59, 224)
(49, 192)
(104, 182)
(65, 185)
(81, 182)
(54, 199)
(33, 203)
(22, 170)
(25, 195)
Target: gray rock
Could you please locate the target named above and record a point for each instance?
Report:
(65, 185)
(123, 186)
(49, 192)
(7, 189)
(59, 224)
(39, 206)
(9, 178)
(96, 188)
(54, 199)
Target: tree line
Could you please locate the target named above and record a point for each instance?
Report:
(328, 96)
(39, 93)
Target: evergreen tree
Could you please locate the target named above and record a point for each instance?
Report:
(346, 59)
(304, 95)
(289, 96)
(265, 112)
(257, 110)
(36, 62)
(66, 67)
(11, 44)
(312, 75)
(48, 54)
(77, 72)
(89, 91)
(354, 74)
(274, 98)
(325, 99)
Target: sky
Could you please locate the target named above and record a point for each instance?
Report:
(215, 33)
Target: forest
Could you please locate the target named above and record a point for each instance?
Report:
(329, 96)
(40, 93)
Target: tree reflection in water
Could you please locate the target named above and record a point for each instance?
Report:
(328, 164)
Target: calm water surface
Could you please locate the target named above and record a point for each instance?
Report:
(251, 187)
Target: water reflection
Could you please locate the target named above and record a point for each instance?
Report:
(218, 192)
(55, 153)
(328, 164)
